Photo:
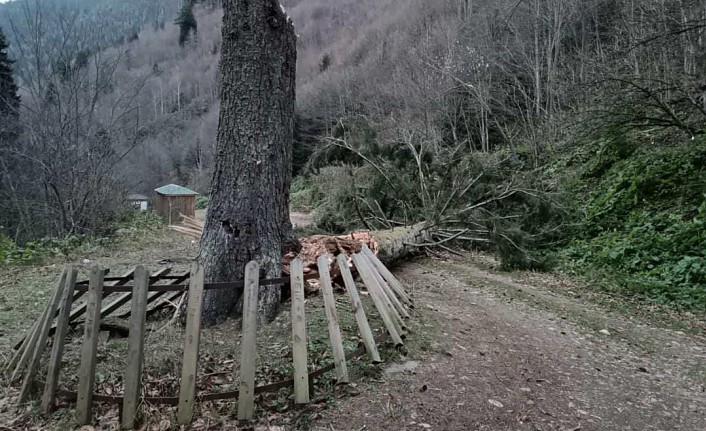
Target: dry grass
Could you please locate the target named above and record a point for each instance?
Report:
(27, 289)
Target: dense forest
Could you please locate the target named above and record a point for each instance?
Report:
(562, 133)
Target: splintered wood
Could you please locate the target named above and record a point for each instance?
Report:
(312, 247)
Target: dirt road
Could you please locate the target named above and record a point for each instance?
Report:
(512, 356)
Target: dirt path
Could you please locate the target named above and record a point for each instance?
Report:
(509, 356)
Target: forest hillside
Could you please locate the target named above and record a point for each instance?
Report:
(551, 132)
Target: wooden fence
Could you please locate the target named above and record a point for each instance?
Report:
(389, 297)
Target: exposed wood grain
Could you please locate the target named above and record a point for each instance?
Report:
(187, 389)
(135, 347)
(86, 375)
(334, 331)
(299, 344)
(363, 326)
(248, 345)
(54, 366)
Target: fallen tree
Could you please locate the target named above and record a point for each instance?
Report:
(389, 245)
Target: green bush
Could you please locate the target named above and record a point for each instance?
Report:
(201, 202)
(12, 254)
(32, 252)
(643, 218)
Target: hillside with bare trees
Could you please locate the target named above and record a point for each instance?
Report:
(549, 132)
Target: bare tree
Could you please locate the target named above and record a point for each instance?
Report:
(77, 127)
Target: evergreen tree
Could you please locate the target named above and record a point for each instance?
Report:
(186, 21)
(9, 99)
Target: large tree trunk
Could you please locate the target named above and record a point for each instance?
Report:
(248, 214)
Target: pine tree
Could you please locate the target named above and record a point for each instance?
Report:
(186, 21)
(9, 99)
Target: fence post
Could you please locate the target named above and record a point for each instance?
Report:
(43, 331)
(54, 366)
(334, 332)
(248, 344)
(370, 282)
(187, 389)
(363, 326)
(299, 345)
(86, 376)
(135, 347)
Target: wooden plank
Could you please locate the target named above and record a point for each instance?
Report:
(187, 388)
(41, 340)
(29, 343)
(397, 319)
(360, 263)
(389, 277)
(334, 331)
(299, 345)
(81, 309)
(135, 347)
(123, 298)
(388, 290)
(54, 366)
(86, 374)
(153, 296)
(248, 345)
(363, 326)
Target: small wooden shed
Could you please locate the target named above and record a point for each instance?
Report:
(173, 200)
(138, 201)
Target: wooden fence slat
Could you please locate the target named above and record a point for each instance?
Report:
(388, 290)
(388, 276)
(187, 389)
(248, 344)
(400, 325)
(121, 299)
(86, 374)
(26, 349)
(30, 344)
(41, 341)
(135, 347)
(360, 263)
(363, 326)
(54, 366)
(334, 331)
(299, 344)
(153, 296)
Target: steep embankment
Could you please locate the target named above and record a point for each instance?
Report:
(640, 218)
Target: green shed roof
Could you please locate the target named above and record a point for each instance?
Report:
(175, 190)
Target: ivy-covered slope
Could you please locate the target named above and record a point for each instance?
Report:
(640, 219)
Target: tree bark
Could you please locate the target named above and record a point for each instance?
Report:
(248, 216)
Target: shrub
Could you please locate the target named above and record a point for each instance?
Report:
(201, 202)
